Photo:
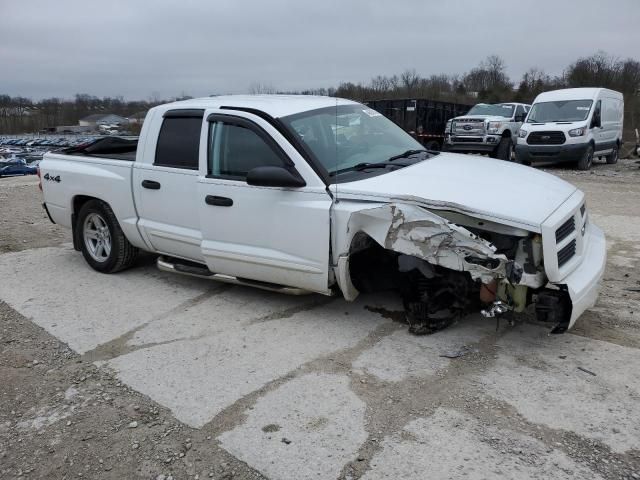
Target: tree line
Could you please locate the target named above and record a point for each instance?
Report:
(487, 82)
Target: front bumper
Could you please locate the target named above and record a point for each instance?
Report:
(461, 143)
(583, 283)
(550, 153)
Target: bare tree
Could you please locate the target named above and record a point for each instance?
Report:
(257, 88)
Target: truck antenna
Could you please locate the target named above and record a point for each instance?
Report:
(335, 140)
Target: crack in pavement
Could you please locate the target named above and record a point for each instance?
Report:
(290, 312)
(119, 345)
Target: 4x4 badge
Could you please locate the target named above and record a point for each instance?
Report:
(52, 178)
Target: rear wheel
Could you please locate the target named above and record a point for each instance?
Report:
(613, 156)
(587, 159)
(103, 244)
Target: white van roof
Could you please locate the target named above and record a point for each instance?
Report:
(575, 94)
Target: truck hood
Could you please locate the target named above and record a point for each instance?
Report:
(491, 118)
(482, 187)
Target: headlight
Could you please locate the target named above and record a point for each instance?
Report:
(578, 132)
(522, 133)
(494, 127)
(448, 127)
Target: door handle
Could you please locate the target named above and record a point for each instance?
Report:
(218, 201)
(151, 185)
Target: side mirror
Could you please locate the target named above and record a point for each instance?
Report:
(520, 117)
(274, 177)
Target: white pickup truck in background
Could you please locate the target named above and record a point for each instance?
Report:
(486, 128)
(314, 194)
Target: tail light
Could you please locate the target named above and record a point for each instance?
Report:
(39, 178)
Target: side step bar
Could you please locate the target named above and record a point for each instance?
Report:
(192, 269)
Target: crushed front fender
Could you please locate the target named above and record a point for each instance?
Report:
(411, 230)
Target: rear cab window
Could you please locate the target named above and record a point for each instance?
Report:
(179, 139)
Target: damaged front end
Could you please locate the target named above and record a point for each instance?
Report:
(445, 265)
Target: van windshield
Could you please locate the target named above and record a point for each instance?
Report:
(560, 111)
(499, 110)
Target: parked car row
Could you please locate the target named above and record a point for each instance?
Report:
(44, 141)
(17, 166)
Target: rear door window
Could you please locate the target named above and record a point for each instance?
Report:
(179, 140)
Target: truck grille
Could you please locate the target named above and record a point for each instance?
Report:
(546, 138)
(469, 126)
(566, 253)
(565, 229)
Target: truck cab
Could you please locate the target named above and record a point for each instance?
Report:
(486, 129)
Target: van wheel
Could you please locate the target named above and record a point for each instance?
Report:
(103, 244)
(613, 156)
(587, 159)
(505, 149)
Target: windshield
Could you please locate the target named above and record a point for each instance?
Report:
(348, 135)
(498, 110)
(560, 111)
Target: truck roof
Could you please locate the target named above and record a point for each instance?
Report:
(574, 94)
(274, 105)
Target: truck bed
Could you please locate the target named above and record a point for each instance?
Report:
(116, 148)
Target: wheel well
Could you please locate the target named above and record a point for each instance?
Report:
(506, 133)
(78, 203)
(371, 266)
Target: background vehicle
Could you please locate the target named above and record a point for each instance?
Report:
(573, 125)
(423, 119)
(487, 128)
(245, 189)
(16, 167)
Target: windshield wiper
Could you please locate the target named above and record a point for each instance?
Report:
(366, 165)
(406, 154)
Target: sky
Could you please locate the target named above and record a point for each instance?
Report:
(145, 48)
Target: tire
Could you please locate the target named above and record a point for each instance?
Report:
(433, 146)
(612, 158)
(587, 159)
(504, 151)
(101, 240)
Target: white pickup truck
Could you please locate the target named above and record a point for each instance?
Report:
(486, 128)
(314, 194)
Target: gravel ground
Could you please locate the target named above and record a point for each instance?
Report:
(188, 379)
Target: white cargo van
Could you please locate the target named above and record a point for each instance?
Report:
(572, 125)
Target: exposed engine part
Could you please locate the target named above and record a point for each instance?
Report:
(554, 306)
(497, 308)
(488, 292)
(435, 302)
(442, 270)
(516, 296)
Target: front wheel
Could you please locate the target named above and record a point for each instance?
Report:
(504, 151)
(103, 244)
(612, 158)
(586, 160)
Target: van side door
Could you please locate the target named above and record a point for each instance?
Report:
(279, 235)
